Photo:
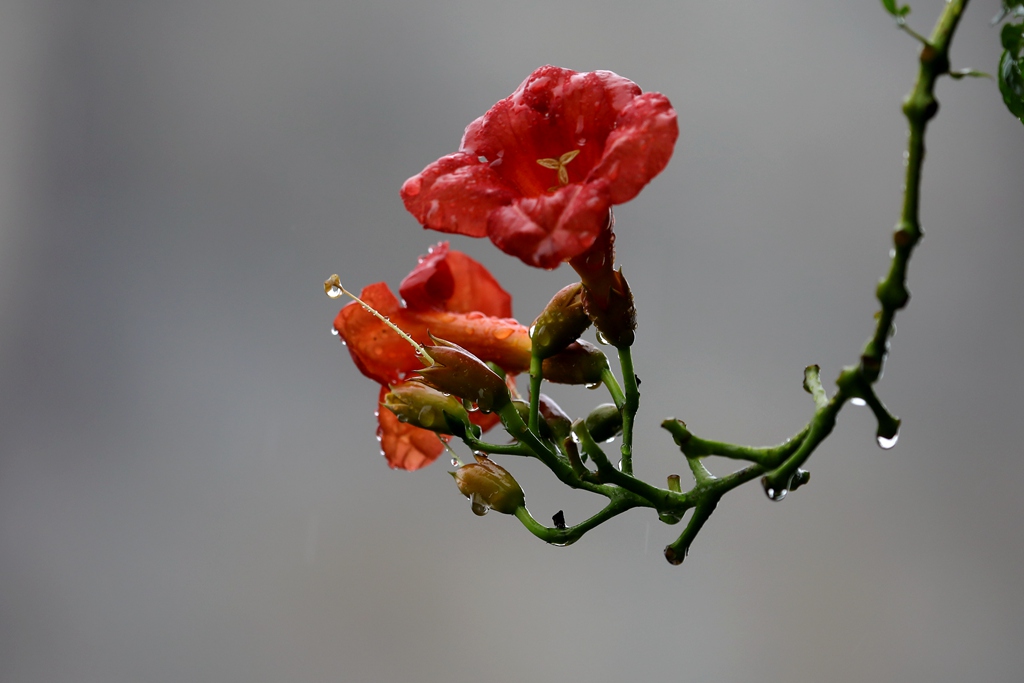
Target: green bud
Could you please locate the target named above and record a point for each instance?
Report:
(561, 322)
(580, 363)
(421, 406)
(604, 422)
(489, 486)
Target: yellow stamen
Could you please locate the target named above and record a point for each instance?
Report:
(333, 289)
(559, 165)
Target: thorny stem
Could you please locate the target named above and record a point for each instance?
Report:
(779, 464)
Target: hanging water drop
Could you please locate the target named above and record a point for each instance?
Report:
(334, 331)
(478, 506)
(334, 292)
(593, 385)
(858, 401)
(532, 328)
(455, 462)
(773, 493)
(601, 339)
(886, 443)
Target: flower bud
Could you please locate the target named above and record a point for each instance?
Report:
(419, 405)
(457, 371)
(554, 423)
(489, 486)
(561, 322)
(580, 363)
(604, 422)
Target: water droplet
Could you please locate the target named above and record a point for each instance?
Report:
(477, 504)
(334, 292)
(773, 493)
(334, 331)
(887, 443)
(858, 401)
(601, 339)
(455, 462)
(482, 159)
(594, 385)
(532, 328)
(618, 466)
(502, 333)
(609, 439)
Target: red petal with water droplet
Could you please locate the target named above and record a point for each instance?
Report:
(451, 281)
(456, 193)
(546, 230)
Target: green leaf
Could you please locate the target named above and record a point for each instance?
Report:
(890, 6)
(1011, 65)
(1012, 38)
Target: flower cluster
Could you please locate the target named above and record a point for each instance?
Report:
(538, 174)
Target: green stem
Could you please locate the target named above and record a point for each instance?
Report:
(536, 379)
(612, 384)
(632, 404)
(659, 498)
(693, 446)
(619, 503)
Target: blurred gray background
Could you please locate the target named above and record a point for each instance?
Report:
(190, 488)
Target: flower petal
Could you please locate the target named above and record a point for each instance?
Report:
(544, 231)
(406, 447)
(554, 112)
(455, 194)
(377, 350)
(451, 281)
(640, 146)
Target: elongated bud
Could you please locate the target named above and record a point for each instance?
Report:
(489, 486)
(604, 422)
(457, 371)
(554, 417)
(554, 424)
(580, 363)
(561, 322)
(606, 295)
(419, 405)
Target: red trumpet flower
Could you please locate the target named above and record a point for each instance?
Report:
(453, 297)
(539, 172)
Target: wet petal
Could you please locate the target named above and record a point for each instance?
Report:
(640, 146)
(451, 281)
(455, 194)
(544, 231)
(377, 350)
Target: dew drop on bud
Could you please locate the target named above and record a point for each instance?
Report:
(601, 339)
(886, 443)
(332, 286)
(334, 331)
(478, 506)
(502, 333)
(532, 328)
(593, 385)
(858, 401)
(455, 462)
